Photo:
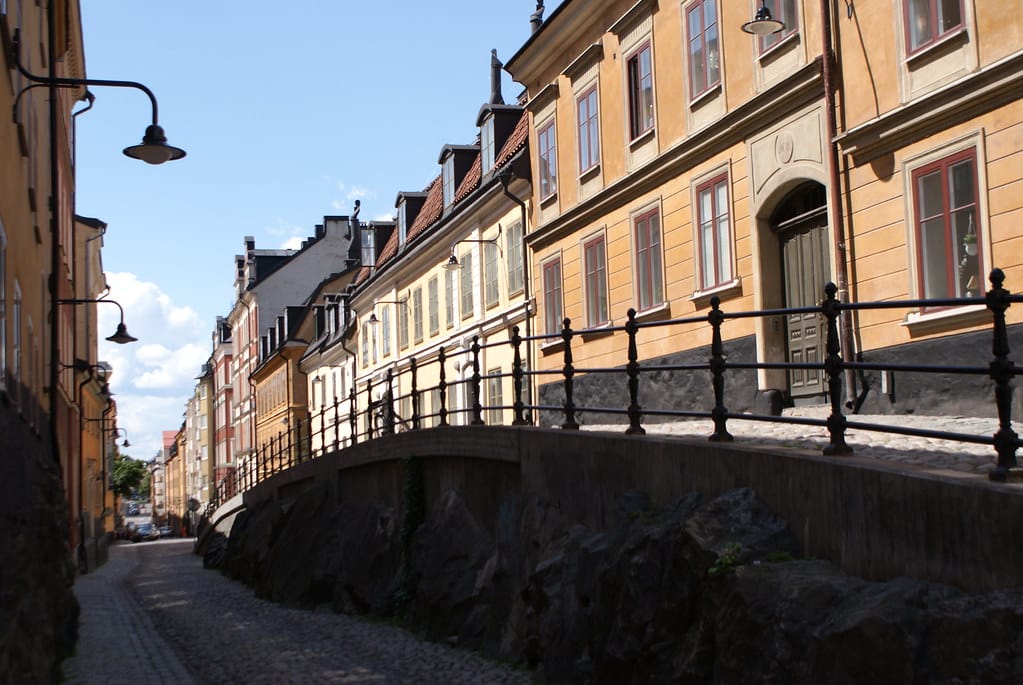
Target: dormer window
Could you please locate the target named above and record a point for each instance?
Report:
(448, 180)
(369, 246)
(402, 224)
(487, 145)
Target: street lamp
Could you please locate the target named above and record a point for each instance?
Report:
(763, 24)
(117, 433)
(452, 263)
(373, 320)
(121, 335)
(153, 149)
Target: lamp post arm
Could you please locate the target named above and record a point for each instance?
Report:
(67, 82)
(85, 301)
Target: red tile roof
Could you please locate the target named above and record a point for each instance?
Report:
(431, 211)
(471, 180)
(516, 141)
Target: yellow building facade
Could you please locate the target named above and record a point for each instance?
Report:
(677, 158)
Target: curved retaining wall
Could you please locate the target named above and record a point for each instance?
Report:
(873, 519)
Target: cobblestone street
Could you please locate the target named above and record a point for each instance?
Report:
(152, 614)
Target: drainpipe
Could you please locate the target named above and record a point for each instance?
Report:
(505, 178)
(841, 275)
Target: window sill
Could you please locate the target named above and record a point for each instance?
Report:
(706, 96)
(940, 43)
(549, 200)
(655, 313)
(724, 291)
(598, 331)
(642, 138)
(552, 347)
(924, 323)
(786, 42)
(589, 173)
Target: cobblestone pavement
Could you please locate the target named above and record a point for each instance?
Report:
(152, 614)
(921, 452)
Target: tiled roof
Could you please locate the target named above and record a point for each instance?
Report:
(471, 180)
(516, 141)
(431, 211)
(363, 275)
(389, 249)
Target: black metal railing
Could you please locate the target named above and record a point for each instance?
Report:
(379, 408)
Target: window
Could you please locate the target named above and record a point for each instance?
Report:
(373, 342)
(595, 266)
(785, 12)
(466, 284)
(649, 269)
(402, 315)
(433, 305)
(385, 331)
(448, 179)
(449, 298)
(402, 223)
(929, 20)
(491, 289)
(548, 161)
(945, 201)
(641, 92)
(704, 55)
(589, 130)
(714, 233)
(487, 145)
(369, 249)
(552, 304)
(417, 314)
(513, 248)
(495, 397)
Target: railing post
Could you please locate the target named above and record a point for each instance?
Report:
(323, 426)
(516, 341)
(833, 366)
(1001, 371)
(632, 371)
(387, 403)
(413, 368)
(353, 416)
(337, 435)
(279, 457)
(292, 447)
(442, 388)
(477, 406)
(717, 372)
(569, 372)
(369, 408)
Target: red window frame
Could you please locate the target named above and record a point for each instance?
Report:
(548, 160)
(639, 123)
(646, 232)
(586, 107)
(700, 37)
(952, 259)
(932, 19)
(716, 278)
(552, 296)
(780, 10)
(595, 280)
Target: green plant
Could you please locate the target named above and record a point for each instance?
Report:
(727, 560)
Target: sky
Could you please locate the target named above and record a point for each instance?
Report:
(288, 112)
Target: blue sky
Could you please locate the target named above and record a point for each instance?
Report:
(288, 112)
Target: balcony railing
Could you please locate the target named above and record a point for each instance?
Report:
(375, 409)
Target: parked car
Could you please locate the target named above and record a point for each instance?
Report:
(166, 532)
(145, 532)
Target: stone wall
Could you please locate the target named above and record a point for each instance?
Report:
(38, 611)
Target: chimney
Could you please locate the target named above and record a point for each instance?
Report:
(495, 79)
(537, 17)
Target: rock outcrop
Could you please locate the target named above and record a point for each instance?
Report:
(695, 592)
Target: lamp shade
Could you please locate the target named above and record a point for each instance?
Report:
(121, 335)
(154, 148)
(763, 23)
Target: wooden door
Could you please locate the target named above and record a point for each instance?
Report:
(805, 271)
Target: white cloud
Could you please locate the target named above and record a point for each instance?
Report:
(358, 193)
(153, 378)
(384, 217)
(292, 243)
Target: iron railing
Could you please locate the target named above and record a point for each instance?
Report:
(377, 409)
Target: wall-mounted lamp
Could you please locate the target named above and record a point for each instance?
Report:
(373, 320)
(452, 264)
(121, 335)
(763, 24)
(100, 371)
(153, 149)
(117, 433)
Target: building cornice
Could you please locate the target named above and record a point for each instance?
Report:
(754, 115)
(982, 91)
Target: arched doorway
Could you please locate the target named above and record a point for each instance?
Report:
(801, 226)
